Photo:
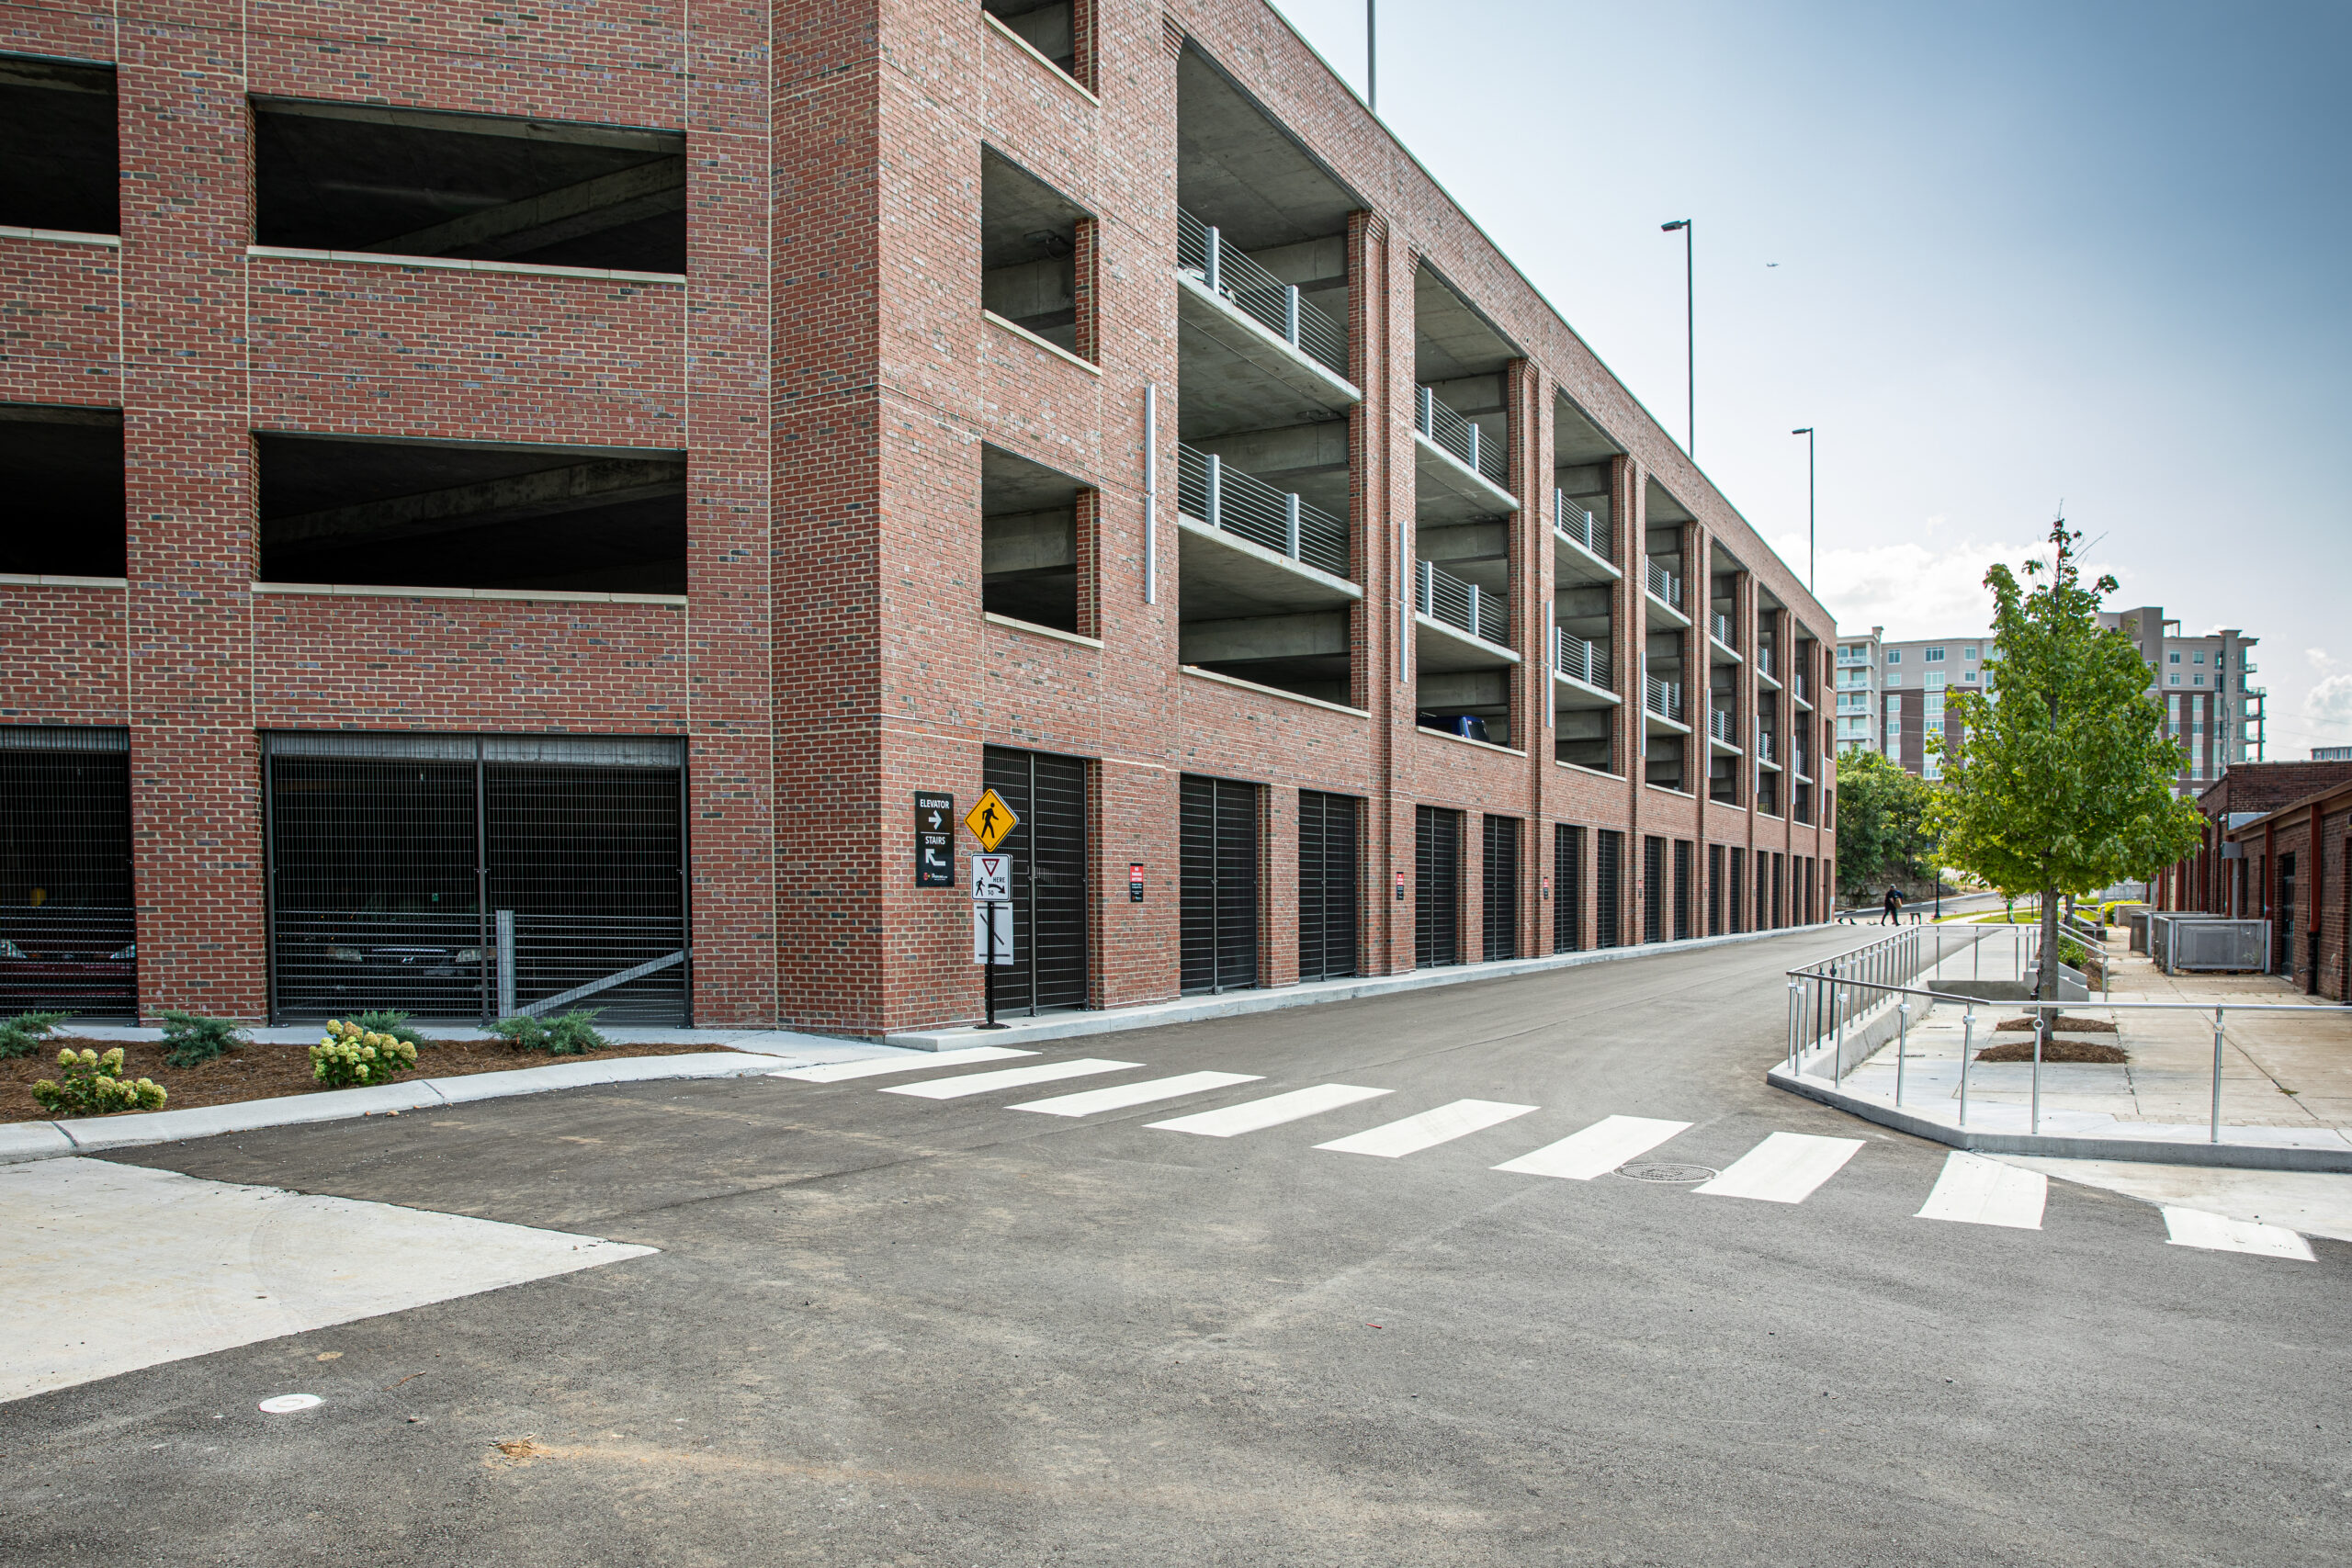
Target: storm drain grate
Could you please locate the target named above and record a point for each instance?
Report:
(1670, 1173)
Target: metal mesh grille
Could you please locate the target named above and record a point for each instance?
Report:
(1714, 890)
(1653, 888)
(1731, 888)
(1049, 859)
(1328, 885)
(1682, 889)
(67, 929)
(1437, 904)
(1608, 892)
(1567, 888)
(1498, 903)
(1218, 833)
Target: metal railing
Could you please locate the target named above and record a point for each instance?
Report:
(1581, 660)
(1797, 764)
(1719, 724)
(1447, 597)
(1230, 500)
(1797, 686)
(1664, 584)
(1719, 627)
(1259, 294)
(1763, 744)
(1764, 658)
(1452, 433)
(1663, 698)
(1590, 531)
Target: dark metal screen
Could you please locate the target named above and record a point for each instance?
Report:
(1437, 903)
(474, 876)
(1567, 888)
(1049, 851)
(1778, 862)
(1731, 889)
(1499, 876)
(1328, 884)
(1607, 890)
(1682, 889)
(1219, 844)
(1653, 888)
(1714, 890)
(68, 937)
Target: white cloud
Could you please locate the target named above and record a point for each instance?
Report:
(2327, 710)
(2318, 659)
(1913, 588)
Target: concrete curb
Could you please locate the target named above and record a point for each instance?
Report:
(1193, 1009)
(2151, 1151)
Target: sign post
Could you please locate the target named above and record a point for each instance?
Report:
(991, 910)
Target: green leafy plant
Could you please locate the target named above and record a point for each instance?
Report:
(20, 1035)
(395, 1024)
(2071, 954)
(1883, 830)
(351, 1056)
(95, 1085)
(572, 1033)
(191, 1038)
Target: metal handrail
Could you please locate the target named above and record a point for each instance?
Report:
(1259, 294)
(1452, 433)
(1796, 686)
(1447, 597)
(1582, 526)
(1581, 660)
(1763, 744)
(1719, 724)
(1664, 584)
(1719, 627)
(1764, 657)
(1231, 501)
(1663, 698)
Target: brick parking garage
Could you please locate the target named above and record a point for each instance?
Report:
(512, 509)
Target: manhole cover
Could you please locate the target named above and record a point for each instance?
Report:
(1666, 1172)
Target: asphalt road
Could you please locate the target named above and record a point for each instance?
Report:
(889, 1329)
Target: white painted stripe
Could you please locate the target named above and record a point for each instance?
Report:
(1086, 1102)
(1783, 1168)
(1008, 1077)
(1973, 1191)
(2219, 1233)
(907, 1062)
(1428, 1130)
(1598, 1149)
(1271, 1112)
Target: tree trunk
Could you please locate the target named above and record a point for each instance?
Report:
(2045, 983)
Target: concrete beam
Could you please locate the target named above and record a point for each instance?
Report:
(1315, 266)
(1470, 394)
(1582, 483)
(1028, 541)
(1285, 452)
(552, 216)
(560, 131)
(1464, 542)
(1463, 689)
(1317, 634)
(1027, 290)
(607, 483)
(1576, 603)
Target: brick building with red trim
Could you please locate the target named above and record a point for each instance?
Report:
(581, 476)
(2278, 847)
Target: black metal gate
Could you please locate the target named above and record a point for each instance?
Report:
(1682, 889)
(477, 876)
(1567, 888)
(1653, 888)
(1328, 885)
(1498, 874)
(1735, 911)
(1607, 891)
(68, 937)
(1714, 890)
(1437, 899)
(1049, 851)
(1218, 841)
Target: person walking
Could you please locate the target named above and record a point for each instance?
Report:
(1893, 907)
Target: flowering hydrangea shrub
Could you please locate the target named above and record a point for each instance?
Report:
(95, 1085)
(351, 1056)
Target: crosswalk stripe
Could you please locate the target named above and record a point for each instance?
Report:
(1974, 1190)
(1118, 1097)
(2219, 1233)
(1008, 1077)
(1255, 1115)
(1598, 1150)
(1427, 1130)
(910, 1062)
(1784, 1168)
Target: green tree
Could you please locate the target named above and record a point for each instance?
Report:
(1884, 832)
(2063, 783)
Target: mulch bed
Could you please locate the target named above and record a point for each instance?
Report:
(2057, 1048)
(264, 1071)
(2067, 1024)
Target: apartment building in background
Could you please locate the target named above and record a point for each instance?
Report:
(2212, 704)
(540, 510)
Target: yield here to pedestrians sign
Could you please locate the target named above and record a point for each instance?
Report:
(991, 819)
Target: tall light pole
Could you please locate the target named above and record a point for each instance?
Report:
(1689, 340)
(1371, 57)
(1809, 494)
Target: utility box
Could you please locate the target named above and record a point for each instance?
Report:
(2212, 946)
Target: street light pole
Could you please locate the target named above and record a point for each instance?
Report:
(1371, 57)
(1809, 500)
(1689, 339)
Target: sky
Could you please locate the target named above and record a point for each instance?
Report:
(2004, 258)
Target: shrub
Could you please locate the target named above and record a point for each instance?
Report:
(574, 1033)
(395, 1024)
(2070, 953)
(351, 1056)
(93, 1086)
(20, 1035)
(191, 1038)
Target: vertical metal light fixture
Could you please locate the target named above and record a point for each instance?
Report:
(1809, 493)
(1371, 56)
(1689, 339)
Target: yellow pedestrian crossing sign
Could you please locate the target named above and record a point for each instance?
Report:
(991, 819)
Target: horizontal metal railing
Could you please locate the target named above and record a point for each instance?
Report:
(1719, 627)
(1663, 698)
(1766, 662)
(1719, 724)
(1582, 526)
(1581, 660)
(1227, 499)
(1763, 744)
(1259, 294)
(1445, 597)
(1452, 433)
(1664, 584)
(1797, 686)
